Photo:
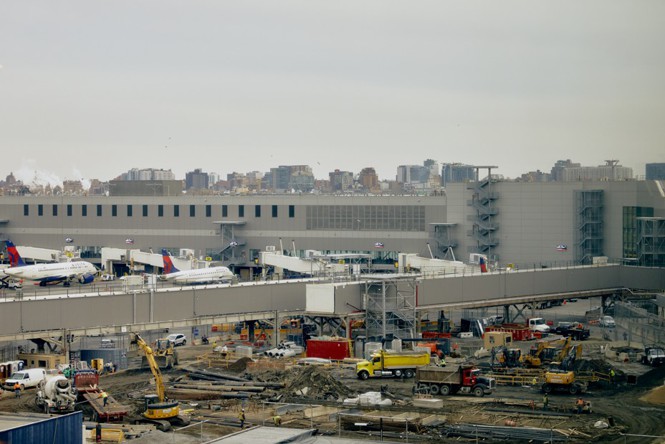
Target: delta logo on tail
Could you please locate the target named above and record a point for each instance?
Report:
(483, 265)
(15, 259)
(168, 263)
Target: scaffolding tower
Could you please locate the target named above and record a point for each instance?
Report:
(589, 223)
(651, 241)
(390, 307)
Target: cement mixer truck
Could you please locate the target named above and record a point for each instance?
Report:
(56, 395)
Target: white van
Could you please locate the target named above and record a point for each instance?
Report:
(30, 377)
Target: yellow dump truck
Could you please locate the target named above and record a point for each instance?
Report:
(388, 364)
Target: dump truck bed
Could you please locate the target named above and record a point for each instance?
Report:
(430, 373)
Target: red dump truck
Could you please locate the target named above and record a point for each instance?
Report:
(450, 380)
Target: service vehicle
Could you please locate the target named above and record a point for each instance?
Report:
(392, 364)
(653, 356)
(56, 395)
(177, 339)
(30, 377)
(607, 321)
(449, 380)
(575, 330)
(538, 324)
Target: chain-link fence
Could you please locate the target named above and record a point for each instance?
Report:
(641, 325)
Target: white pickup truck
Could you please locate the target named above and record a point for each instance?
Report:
(538, 324)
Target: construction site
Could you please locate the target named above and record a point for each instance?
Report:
(491, 389)
(438, 351)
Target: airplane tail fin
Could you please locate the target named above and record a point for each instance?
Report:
(15, 259)
(168, 263)
(483, 265)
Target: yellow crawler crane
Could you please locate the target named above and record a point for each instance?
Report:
(159, 410)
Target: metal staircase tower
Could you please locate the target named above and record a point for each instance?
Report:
(485, 228)
(231, 253)
(444, 243)
(589, 223)
(651, 241)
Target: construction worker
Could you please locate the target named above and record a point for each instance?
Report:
(546, 402)
(241, 417)
(277, 420)
(105, 397)
(98, 433)
(17, 390)
(580, 405)
(612, 375)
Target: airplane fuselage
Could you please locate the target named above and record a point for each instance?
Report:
(46, 273)
(211, 274)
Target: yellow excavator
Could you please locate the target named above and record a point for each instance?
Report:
(548, 352)
(159, 410)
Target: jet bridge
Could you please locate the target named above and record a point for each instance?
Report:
(410, 261)
(137, 258)
(310, 265)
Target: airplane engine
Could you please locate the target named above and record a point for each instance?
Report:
(86, 278)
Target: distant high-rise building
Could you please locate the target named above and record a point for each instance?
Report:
(457, 173)
(197, 180)
(237, 181)
(147, 174)
(341, 181)
(610, 171)
(535, 176)
(72, 187)
(557, 172)
(655, 171)
(368, 179)
(254, 180)
(292, 177)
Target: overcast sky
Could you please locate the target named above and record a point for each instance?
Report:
(90, 89)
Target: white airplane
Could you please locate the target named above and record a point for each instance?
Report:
(46, 274)
(198, 276)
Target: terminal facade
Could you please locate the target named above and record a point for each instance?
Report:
(516, 224)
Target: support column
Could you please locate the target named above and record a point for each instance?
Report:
(250, 331)
(278, 324)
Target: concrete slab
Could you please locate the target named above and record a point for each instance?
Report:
(429, 403)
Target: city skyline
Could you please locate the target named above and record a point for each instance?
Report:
(90, 90)
(42, 178)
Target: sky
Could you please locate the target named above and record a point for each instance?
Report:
(90, 89)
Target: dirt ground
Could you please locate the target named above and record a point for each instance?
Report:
(635, 409)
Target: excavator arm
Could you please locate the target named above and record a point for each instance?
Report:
(154, 368)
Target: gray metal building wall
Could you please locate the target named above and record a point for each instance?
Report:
(534, 218)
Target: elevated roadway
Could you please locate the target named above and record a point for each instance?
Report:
(119, 312)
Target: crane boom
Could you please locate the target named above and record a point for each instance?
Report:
(154, 368)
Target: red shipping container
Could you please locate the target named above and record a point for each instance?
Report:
(336, 350)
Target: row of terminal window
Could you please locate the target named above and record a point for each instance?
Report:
(160, 210)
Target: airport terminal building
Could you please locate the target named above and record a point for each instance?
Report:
(521, 223)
